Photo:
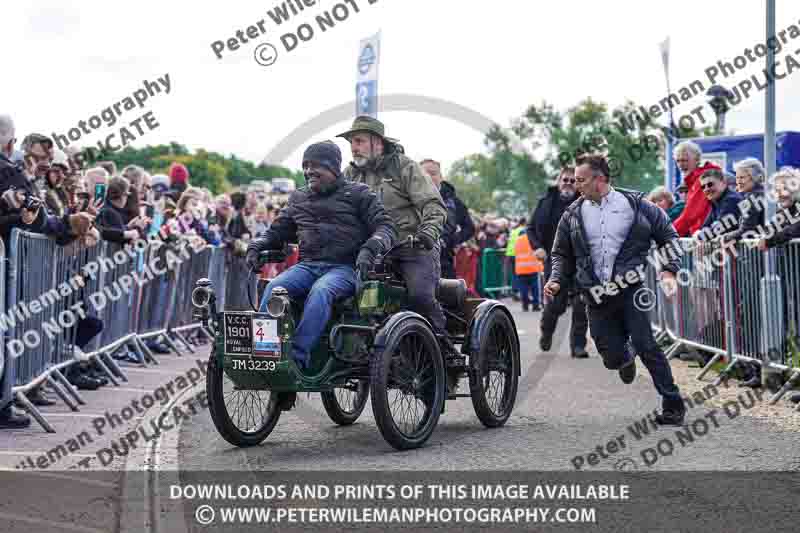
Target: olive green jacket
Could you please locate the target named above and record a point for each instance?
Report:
(407, 193)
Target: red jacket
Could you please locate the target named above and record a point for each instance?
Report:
(697, 205)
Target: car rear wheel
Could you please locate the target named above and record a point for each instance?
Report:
(495, 374)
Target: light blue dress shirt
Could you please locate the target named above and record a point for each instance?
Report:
(607, 226)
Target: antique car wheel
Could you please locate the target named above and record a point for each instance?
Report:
(495, 376)
(345, 404)
(243, 417)
(408, 385)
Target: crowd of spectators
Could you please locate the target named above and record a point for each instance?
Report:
(713, 207)
(47, 191)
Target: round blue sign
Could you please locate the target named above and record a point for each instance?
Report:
(366, 60)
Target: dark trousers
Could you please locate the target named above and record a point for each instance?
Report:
(421, 270)
(88, 329)
(448, 262)
(528, 286)
(616, 321)
(556, 307)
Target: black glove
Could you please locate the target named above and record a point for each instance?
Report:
(366, 257)
(364, 263)
(252, 259)
(421, 240)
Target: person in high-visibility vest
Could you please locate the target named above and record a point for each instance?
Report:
(528, 268)
(508, 265)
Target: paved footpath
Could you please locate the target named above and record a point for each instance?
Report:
(565, 410)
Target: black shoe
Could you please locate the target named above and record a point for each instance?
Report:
(545, 342)
(38, 398)
(671, 417)
(11, 418)
(795, 398)
(754, 382)
(98, 376)
(580, 353)
(524, 307)
(158, 347)
(84, 382)
(537, 307)
(628, 372)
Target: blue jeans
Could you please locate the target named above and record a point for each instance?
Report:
(320, 285)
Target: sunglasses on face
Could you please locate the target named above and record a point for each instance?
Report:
(568, 180)
(707, 185)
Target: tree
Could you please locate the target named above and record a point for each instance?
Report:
(524, 159)
(207, 169)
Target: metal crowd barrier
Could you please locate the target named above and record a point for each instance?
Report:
(217, 273)
(727, 306)
(130, 290)
(197, 266)
(155, 295)
(6, 377)
(238, 275)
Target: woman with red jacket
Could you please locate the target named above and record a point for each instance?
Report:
(687, 156)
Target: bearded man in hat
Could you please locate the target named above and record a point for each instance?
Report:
(415, 205)
(338, 224)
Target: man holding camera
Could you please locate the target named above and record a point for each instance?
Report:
(337, 224)
(416, 207)
(20, 207)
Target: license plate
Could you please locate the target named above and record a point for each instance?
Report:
(266, 342)
(237, 333)
(262, 365)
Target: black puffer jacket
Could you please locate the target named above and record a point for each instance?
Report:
(333, 227)
(541, 228)
(572, 258)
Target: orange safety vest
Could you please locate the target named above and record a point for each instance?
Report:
(526, 262)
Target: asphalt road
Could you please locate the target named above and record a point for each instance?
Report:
(565, 408)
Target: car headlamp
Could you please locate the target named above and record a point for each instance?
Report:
(200, 297)
(278, 302)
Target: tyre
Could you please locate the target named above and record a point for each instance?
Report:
(408, 385)
(346, 403)
(243, 417)
(495, 376)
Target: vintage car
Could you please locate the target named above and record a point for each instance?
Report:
(373, 347)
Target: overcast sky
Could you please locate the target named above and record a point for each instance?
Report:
(66, 61)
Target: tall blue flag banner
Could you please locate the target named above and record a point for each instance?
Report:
(367, 84)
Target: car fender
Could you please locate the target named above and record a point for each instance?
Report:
(394, 321)
(477, 329)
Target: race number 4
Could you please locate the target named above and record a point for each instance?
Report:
(266, 342)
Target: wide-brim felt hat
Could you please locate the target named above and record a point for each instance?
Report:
(370, 125)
